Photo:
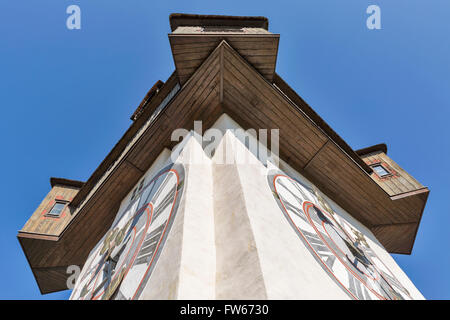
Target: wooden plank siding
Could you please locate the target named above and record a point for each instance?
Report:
(40, 223)
(190, 50)
(399, 181)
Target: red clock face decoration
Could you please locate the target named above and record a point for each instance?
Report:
(120, 266)
(339, 248)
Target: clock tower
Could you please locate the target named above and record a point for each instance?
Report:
(228, 185)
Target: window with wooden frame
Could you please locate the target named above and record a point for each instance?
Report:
(57, 209)
(380, 170)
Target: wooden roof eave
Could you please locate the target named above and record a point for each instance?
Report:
(190, 49)
(314, 117)
(384, 232)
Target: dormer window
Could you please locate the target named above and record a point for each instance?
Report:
(380, 170)
(57, 209)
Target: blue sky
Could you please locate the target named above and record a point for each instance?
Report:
(67, 95)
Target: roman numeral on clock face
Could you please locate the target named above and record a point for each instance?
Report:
(149, 245)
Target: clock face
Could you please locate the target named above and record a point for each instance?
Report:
(339, 248)
(122, 263)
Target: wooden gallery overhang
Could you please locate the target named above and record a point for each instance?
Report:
(223, 65)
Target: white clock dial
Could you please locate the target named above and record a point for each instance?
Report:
(122, 263)
(340, 249)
